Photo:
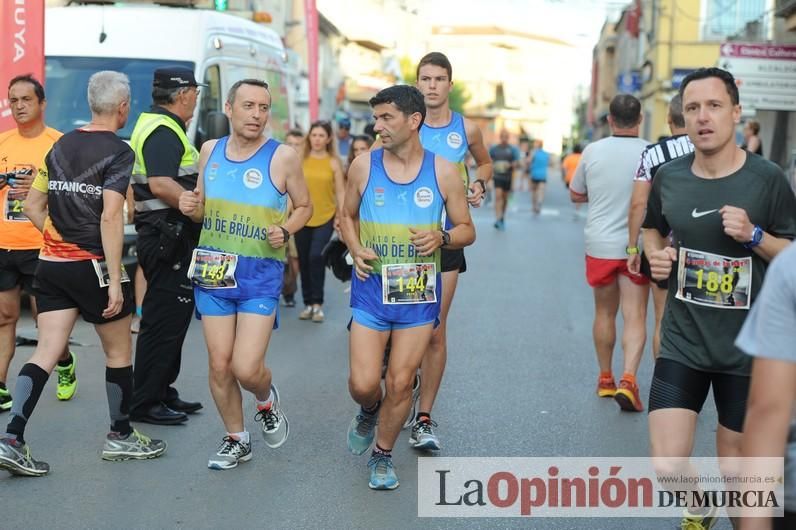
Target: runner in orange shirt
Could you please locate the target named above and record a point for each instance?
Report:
(22, 152)
(570, 164)
(568, 167)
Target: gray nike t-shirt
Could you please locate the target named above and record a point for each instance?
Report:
(770, 332)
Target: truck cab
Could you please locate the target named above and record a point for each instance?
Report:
(137, 39)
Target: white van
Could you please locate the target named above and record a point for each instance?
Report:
(219, 48)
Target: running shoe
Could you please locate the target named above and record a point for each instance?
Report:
(5, 400)
(410, 419)
(15, 458)
(382, 473)
(423, 437)
(700, 522)
(289, 301)
(362, 431)
(274, 422)
(133, 446)
(606, 387)
(627, 396)
(230, 453)
(306, 314)
(67, 380)
(318, 316)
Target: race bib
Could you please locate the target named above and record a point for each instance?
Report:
(213, 270)
(13, 207)
(714, 280)
(101, 269)
(501, 166)
(409, 283)
(15, 199)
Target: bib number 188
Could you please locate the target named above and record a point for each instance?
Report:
(715, 281)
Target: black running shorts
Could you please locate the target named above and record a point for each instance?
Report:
(453, 260)
(677, 386)
(74, 284)
(17, 267)
(503, 184)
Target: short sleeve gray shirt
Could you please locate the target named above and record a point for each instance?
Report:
(770, 332)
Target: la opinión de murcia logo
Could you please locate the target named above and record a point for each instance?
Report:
(581, 487)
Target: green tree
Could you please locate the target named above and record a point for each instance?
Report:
(458, 96)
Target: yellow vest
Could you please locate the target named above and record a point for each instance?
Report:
(146, 125)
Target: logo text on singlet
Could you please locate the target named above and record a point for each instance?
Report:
(75, 187)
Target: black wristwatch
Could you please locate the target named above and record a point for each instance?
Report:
(285, 234)
(482, 183)
(446, 238)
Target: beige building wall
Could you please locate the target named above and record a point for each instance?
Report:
(676, 43)
(517, 80)
(605, 77)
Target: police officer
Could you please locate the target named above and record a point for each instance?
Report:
(165, 166)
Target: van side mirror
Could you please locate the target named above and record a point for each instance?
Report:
(216, 125)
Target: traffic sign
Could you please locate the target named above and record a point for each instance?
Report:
(765, 73)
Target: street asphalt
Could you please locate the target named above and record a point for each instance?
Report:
(520, 382)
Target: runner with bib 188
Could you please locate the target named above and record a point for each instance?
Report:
(730, 213)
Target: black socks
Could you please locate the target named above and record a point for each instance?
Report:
(30, 383)
(378, 451)
(119, 385)
(65, 363)
(372, 410)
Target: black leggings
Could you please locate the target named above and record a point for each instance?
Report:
(310, 241)
(677, 386)
(784, 523)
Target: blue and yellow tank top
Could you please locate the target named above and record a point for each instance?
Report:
(449, 142)
(241, 202)
(387, 211)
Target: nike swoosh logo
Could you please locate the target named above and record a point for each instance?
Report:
(695, 214)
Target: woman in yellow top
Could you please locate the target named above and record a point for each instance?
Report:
(323, 173)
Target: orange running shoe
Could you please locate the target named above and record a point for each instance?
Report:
(627, 396)
(606, 387)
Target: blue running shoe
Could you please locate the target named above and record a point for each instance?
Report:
(382, 473)
(362, 431)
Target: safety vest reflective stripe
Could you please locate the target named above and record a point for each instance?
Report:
(189, 164)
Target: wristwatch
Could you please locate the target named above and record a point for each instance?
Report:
(631, 251)
(757, 237)
(446, 238)
(482, 183)
(285, 234)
